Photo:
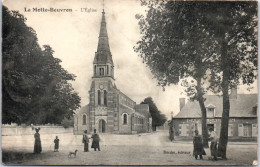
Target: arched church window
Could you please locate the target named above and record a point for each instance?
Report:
(125, 119)
(99, 97)
(95, 69)
(84, 121)
(105, 97)
(107, 69)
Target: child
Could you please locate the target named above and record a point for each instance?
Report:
(56, 147)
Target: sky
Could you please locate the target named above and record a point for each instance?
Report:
(74, 38)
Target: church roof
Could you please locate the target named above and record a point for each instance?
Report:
(103, 54)
(143, 109)
(243, 106)
(83, 109)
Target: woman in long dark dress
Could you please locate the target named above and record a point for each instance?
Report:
(95, 142)
(56, 146)
(198, 146)
(37, 143)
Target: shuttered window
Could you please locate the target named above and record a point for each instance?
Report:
(230, 129)
(240, 130)
(254, 130)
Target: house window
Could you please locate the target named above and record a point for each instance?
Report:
(84, 121)
(247, 130)
(125, 119)
(105, 97)
(99, 97)
(254, 130)
(210, 113)
(230, 129)
(183, 130)
(101, 71)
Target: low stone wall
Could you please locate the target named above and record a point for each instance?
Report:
(28, 130)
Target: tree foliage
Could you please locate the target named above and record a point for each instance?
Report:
(67, 122)
(158, 118)
(234, 26)
(36, 88)
(176, 47)
(215, 43)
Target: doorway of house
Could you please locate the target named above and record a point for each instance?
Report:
(102, 126)
(210, 126)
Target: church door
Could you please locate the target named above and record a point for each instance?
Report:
(102, 126)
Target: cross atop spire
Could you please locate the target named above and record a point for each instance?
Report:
(103, 5)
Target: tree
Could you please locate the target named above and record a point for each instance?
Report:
(158, 119)
(36, 88)
(67, 122)
(212, 41)
(175, 46)
(234, 26)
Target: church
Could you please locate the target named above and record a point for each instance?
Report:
(109, 110)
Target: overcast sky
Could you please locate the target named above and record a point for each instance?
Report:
(74, 37)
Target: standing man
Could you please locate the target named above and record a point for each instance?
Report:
(213, 145)
(171, 133)
(95, 142)
(85, 140)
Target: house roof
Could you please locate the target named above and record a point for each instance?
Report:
(242, 106)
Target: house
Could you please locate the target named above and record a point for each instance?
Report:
(242, 116)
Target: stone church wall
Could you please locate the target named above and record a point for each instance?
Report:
(125, 128)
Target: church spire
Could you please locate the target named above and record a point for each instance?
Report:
(103, 63)
(103, 44)
(103, 54)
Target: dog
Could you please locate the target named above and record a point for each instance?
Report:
(73, 153)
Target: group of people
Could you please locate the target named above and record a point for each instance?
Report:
(95, 141)
(85, 141)
(198, 145)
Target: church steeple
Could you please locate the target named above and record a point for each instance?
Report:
(103, 44)
(103, 62)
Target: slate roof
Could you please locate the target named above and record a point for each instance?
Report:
(83, 109)
(103, 54)
(242, 106)
(143, 109)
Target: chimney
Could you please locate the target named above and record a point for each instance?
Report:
(233, 94)
(182, 103)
